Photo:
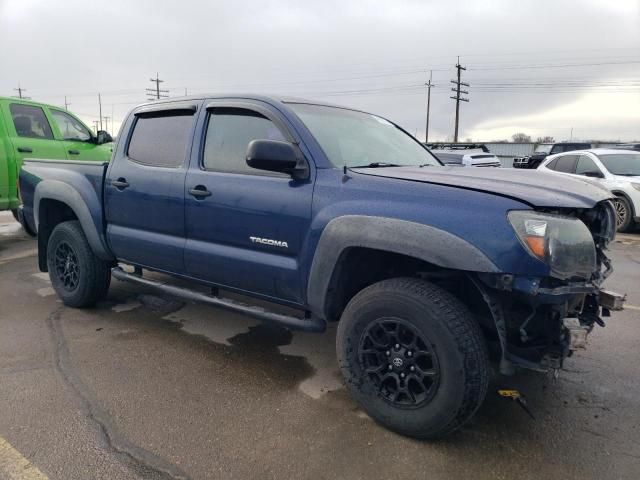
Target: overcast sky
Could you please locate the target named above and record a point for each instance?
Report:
(539, 67)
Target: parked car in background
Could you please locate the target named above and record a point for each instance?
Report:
(616, 170)
(628, 146)
(345, 217)
(467, 158)
(542, 151)
(36, 130)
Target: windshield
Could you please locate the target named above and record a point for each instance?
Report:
(357, 139)
(543, 148)
(627, 164)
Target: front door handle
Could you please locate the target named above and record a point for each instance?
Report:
(25, 150)
(74, 152)
(199, 191)
(120, 183)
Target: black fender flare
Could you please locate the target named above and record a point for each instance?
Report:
(65, 193)
(424, 242)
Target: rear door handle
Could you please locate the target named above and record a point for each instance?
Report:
(74, 152)
(120, 183)
(199, 191)
(25, 150)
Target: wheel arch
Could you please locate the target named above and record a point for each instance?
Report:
(55, 202)
(365, 249)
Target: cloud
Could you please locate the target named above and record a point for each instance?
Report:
(373, 55)
(603, 114)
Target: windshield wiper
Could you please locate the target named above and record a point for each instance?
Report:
(377, 165)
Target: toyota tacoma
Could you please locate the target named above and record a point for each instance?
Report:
(433, 273)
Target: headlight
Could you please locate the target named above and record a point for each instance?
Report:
(635, 185)
(563, 243)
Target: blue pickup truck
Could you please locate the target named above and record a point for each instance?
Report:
(433, 272)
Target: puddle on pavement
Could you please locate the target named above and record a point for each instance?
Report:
(228, 328)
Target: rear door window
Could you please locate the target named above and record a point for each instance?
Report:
(30, 121)
(161, 140)
(566, 163)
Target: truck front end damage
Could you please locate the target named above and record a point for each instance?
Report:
(540, 321)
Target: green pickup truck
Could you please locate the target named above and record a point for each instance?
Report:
(35, 130)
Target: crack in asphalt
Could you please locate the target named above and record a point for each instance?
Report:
(142, 462)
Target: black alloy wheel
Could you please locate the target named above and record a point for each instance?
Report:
(400, 361)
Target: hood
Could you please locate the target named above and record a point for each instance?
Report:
(539, 155)
(530, 186)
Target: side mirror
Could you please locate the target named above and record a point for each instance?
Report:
(276, 156)
(103, 137)
(593, 174)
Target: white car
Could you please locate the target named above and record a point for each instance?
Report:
(616, 170)
(467, 158)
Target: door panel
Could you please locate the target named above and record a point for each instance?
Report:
(31, 134)
(144, 192)
(146, 218)
(248, 233)
(220, 228)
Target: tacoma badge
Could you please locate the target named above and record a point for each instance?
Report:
(268, 241)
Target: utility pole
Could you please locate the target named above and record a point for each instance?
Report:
(156, 93)
(95, 125)
(429, 85)
(458, 98)
(100, 110)
(106, 122)
(66, 104)
(20, 90)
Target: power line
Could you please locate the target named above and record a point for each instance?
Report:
(458, 98)
(156, 92)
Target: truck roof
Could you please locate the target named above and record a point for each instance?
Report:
(249, 96)
(28, 102)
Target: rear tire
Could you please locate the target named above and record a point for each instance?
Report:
(413, 357)
(79, 277)
(624, 214)
(14, 212)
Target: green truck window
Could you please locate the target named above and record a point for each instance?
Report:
(70, 128)
(30, 122)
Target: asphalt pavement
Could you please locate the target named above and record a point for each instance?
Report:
(144, 386)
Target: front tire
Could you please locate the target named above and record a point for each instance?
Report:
(624, 216)
(413, 357)
(79, 277)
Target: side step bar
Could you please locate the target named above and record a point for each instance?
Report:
(290, 322)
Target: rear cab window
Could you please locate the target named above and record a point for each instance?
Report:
(161, 139)
(30, 121)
